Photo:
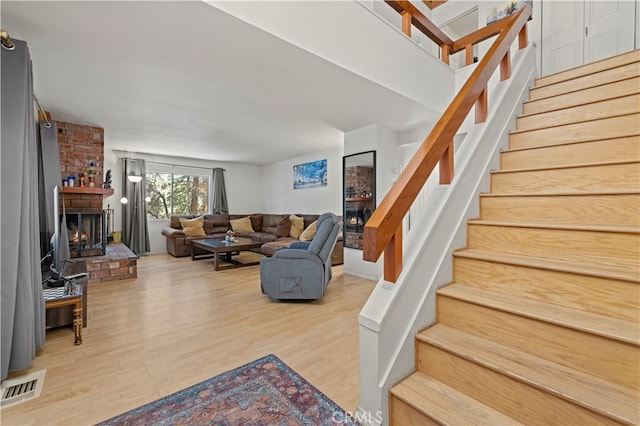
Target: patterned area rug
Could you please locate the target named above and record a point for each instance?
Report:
(264, 392)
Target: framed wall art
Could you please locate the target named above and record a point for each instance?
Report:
(310, 175)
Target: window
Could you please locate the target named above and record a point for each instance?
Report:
(184, 191)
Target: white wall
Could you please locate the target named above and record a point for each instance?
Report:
(278, 195)
(243, 187)
(355, 37)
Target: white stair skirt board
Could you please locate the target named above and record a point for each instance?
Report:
(21, 389)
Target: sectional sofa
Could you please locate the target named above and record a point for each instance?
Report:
(266, 228)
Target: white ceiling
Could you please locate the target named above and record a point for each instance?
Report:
(186, 79)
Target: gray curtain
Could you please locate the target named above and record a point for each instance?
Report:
(135, 230)
(219, 204)
(23, 313)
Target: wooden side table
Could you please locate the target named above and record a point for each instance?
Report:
(63, 316)
(58, 297)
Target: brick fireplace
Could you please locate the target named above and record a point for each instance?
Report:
(81, 150)
(78, 146)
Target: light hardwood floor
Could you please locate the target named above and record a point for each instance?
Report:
(179, 323)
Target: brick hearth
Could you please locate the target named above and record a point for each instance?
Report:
(118, 263)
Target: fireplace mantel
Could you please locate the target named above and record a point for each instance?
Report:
(86, 190)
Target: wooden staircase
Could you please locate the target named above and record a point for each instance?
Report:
(541, 324)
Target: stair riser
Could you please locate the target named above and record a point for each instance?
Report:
(524, 403)
(608, 128)
(582, 113)
(604, 296)
(593, 354)
(608, 91)
(614, 209)
(403, 414)
(604, 151)
(602, 248)
(592, 80)
(594, 67)
(577, 180)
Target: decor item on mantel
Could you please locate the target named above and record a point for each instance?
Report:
(91, 174)
(107, 179)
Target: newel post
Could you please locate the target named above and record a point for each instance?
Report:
(393, 257)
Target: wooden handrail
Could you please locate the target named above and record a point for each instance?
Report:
(383, 230)
(480, 34)
(412, 16)
(421, 22)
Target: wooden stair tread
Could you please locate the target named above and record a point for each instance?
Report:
(444, 404)
(515, 132)
(557, 194)
(567, 100)
(588, 69)
(604, 128)
(570, 227)
(595, 394)
(581, 268)
(597, 109)
(609, 327)
(532, 148)
(599, 101)
(580, 83)
(564, 166)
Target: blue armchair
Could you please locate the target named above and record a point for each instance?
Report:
(302, 273)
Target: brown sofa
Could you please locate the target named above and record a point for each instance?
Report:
(217, 225)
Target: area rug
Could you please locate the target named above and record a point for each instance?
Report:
(263, 392)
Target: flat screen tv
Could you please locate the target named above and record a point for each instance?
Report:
(57, 263)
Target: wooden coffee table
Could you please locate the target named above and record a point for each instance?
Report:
(219, 246)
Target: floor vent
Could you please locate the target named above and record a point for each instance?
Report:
(21, 389)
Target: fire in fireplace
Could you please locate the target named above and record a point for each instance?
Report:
(356, 218)
(87, 233)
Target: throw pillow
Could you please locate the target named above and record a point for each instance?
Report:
(241, 225)
(283, 227)
(193, 227)
(256, 222)
(307, 234)
(297, 226)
